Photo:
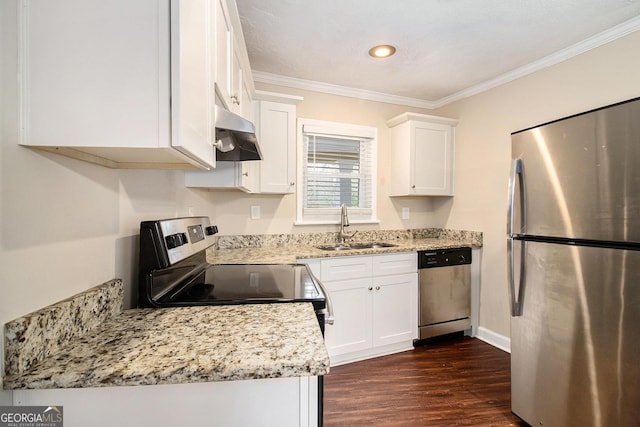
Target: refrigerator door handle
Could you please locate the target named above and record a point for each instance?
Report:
(516, 299)
(517, 179)
(517, 173)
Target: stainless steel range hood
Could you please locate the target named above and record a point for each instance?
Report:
(235, 137)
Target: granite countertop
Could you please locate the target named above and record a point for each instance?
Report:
(186, 345)
(88, 341)
(289, 254)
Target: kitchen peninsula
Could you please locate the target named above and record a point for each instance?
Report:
(183, 362)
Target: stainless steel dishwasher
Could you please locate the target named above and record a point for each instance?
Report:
(445, 291)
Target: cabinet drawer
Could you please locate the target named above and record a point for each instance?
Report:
(345, 268)
(345, 285)
(388, 264)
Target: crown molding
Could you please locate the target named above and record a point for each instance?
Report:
(586, 45)
(275, 79)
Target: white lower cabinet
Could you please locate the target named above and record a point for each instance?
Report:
(395, 309)
(290, 402)
(375, 304)
(353, 315)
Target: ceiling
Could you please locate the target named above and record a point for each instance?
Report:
(446, 49)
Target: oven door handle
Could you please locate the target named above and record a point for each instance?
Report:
(328, 318)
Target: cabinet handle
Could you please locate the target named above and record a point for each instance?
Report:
(245, 174)
(234, 99)
(377, 288)
(413, 187)
(370, 288)
(292, 183)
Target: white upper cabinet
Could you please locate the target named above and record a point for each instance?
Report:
(127, 84)
(275, 119)
(422, 155)
(232, 69)
(191, 88)
(227, 175)
(97, 79)
(223, 49)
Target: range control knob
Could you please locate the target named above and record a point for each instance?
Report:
(182, 238)
(171, 241)
(211, 230)
(175, 240)
(462, 259)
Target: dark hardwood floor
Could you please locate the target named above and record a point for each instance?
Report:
(456, 382)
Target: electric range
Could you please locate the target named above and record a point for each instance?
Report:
(174, 272)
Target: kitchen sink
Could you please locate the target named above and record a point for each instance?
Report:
(371, 245)
(334, 247)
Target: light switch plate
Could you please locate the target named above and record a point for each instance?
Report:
(406, 213)
(255, 212)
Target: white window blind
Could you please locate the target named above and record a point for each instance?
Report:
(338, 166)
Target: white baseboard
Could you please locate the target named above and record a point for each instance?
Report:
(370, 353)
(493, 338)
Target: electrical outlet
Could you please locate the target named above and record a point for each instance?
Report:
(255, 212)
(406, 214)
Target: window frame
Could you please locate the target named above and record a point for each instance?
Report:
(336, 130)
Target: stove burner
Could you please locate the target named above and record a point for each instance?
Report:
(181, 276)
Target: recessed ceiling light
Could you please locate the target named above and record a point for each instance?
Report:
(382, 51)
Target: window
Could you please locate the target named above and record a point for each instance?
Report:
(336, 165)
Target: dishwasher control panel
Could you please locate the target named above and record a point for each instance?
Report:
(444, 257)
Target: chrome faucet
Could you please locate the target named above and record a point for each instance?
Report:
(344, 222)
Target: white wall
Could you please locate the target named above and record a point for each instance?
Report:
(600, 77)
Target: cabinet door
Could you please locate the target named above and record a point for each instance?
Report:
(277, 138)
(237, 84)
(191, 80)
(432, 159)
(395, 309)
(246, 102)
(250, 170)
(352, 315)
(95, 74)
(222, 52)
(226, 175)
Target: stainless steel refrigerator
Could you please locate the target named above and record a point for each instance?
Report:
(573, 242)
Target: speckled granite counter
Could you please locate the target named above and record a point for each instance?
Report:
(286, 249)
(184, 345)
(87, 341)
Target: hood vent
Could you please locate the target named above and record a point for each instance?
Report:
(235, 137)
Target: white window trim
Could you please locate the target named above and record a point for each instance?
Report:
(344, 130)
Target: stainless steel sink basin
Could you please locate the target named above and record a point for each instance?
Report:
(334, 247)
(373, 245)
